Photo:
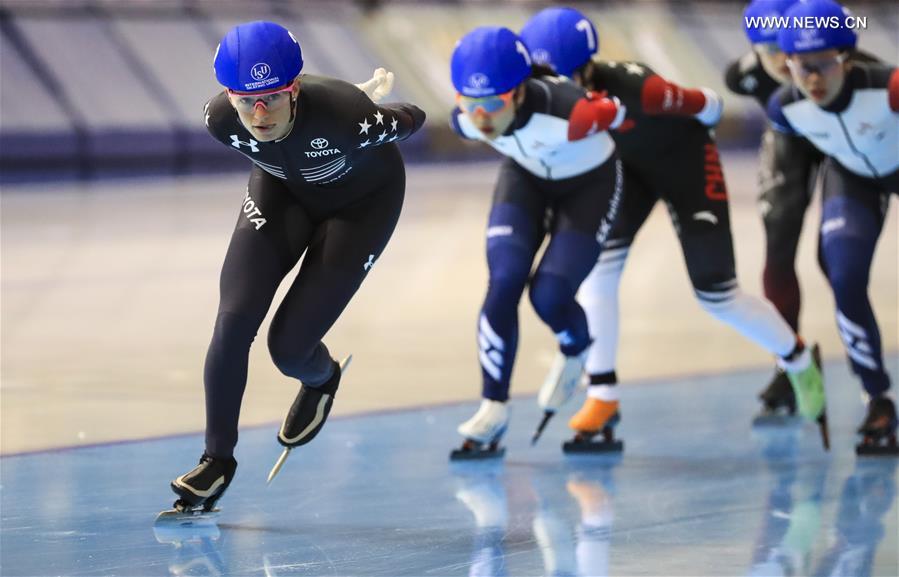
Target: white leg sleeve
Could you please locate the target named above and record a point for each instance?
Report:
(598, 296)
(753, 317)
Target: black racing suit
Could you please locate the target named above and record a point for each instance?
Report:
(333, 189)
(675, 159)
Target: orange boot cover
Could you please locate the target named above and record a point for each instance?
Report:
(593, 416)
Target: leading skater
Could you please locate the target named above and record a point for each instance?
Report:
(561, 178)
(327, 181)
(850, 112)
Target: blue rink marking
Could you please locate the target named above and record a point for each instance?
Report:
(696, 493)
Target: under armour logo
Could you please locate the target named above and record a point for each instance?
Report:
(370, 263)
(236, 143)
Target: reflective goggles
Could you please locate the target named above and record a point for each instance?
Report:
(824, 66)
(271, 101)
(488, 104)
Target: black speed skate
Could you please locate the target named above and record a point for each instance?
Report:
(878, 431)
(778, 402)
(200, 489)
(308, 414)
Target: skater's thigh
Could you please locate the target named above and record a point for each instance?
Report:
(636, 205)
(516, 223)
(852, 215)
(695, 194)
(271, 234)
(582, 219)
(787, 167)
(344, 248)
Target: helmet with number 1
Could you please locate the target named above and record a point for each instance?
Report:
(794, 40)
(561, 38)
(489, 60)
(757, 12)
(257, 56)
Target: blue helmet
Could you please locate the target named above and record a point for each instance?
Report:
(837, 35)
(760, 9)
(489, 60)
(257, 56)
(561, 38)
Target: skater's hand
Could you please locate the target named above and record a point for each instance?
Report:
(594, 113)
(710, 114)
(379, 86)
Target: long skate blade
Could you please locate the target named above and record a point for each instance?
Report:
(547, 415)
(477, 454)
(592, 447)
(278, 464)
(776, 420)
(825, 430)
(345, 363)
(887, 450)
(176, 517)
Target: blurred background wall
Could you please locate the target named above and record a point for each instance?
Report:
(100, 87)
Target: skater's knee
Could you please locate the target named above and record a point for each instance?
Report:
(849, 284)
(509, 267)
(290, 354)
(551, 295)
(715, 294)
(234, 330)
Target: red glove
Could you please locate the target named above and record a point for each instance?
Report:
(662, 97)
(594, 113)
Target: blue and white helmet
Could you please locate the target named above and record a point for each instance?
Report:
(794, 40)
(761, 9)
(561, 38)
(489, 60)
(257, 56)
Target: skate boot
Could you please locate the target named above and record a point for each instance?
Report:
(778, 402)
(805, 377)
(878, 431)
(560, 384)
(595, 416)
(200, 489)
(308, 414)
(483, 432)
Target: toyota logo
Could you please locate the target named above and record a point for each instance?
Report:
(319, 143)
(260, 71)
(478, 80)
